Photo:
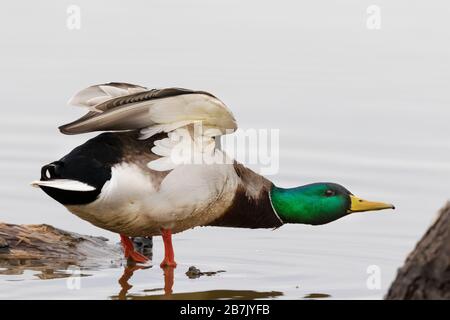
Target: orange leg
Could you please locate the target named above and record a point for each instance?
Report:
(169, 255)
(130, 253)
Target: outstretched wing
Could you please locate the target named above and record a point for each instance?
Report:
(122, 106)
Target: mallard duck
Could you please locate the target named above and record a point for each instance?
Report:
(136, 180)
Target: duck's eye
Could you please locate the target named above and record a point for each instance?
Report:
(330, 193)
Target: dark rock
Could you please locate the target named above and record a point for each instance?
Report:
(144, 245)
(49, 249)
(194, 273)
(426, 272)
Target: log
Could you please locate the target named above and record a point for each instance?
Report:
(426, 272)
(49, 250)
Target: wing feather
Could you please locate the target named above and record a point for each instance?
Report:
(176, 111)
(96, 95)
(158, 110)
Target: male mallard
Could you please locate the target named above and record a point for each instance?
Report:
(136, 181)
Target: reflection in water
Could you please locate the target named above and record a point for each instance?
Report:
(169, 295)
(47, 269)
(60, 267)
(211, 295)
(123, 281)
(316, 296)
(57, 274)
(143, 245)
(128, 273)
(168, 280)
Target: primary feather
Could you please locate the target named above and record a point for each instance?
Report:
(96, 95)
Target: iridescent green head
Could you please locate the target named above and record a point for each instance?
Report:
(318, 203)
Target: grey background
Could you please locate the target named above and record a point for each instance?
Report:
(365, 108)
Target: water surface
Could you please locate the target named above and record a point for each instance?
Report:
(367, 109)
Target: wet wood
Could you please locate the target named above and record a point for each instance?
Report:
(48, 249)
(426, 272)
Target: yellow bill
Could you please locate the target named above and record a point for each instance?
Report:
(359, 205)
